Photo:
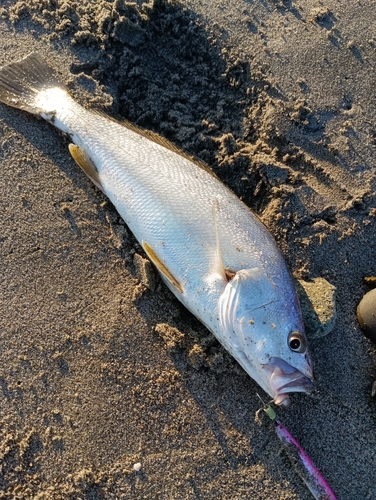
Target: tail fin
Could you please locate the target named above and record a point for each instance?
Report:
(22, 82)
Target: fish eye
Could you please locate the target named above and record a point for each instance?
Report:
(296, 342)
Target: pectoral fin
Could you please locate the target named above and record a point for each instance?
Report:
(219, 268)
(85, 162)
(161, 267)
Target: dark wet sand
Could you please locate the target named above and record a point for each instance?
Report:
(100, 367)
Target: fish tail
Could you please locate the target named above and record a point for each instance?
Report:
(22, 84)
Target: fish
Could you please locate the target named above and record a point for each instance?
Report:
(211, 250)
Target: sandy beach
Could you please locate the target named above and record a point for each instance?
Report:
(101, 367)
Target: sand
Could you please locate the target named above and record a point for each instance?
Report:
(100, 367)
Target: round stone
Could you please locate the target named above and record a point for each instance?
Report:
(366, 312)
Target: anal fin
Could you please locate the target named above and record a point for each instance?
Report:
(161, 267)
(86, 163)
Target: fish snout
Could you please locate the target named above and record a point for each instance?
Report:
(284, 378)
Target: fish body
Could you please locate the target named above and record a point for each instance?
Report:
(212, 252)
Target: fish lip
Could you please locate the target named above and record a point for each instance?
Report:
(285, 378)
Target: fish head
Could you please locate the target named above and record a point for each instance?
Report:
(262, 327)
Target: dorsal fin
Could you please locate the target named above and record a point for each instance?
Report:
(158, 139)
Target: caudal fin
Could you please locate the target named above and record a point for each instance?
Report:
(22, 82)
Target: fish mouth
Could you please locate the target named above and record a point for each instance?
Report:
(284, 378)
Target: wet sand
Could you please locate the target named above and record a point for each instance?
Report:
(100, 366)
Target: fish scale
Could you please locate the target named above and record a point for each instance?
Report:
(213, 253)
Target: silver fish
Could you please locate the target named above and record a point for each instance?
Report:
(212, 252)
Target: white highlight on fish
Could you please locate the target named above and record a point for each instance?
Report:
(212, 252)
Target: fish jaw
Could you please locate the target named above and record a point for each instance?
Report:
(284, 378)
